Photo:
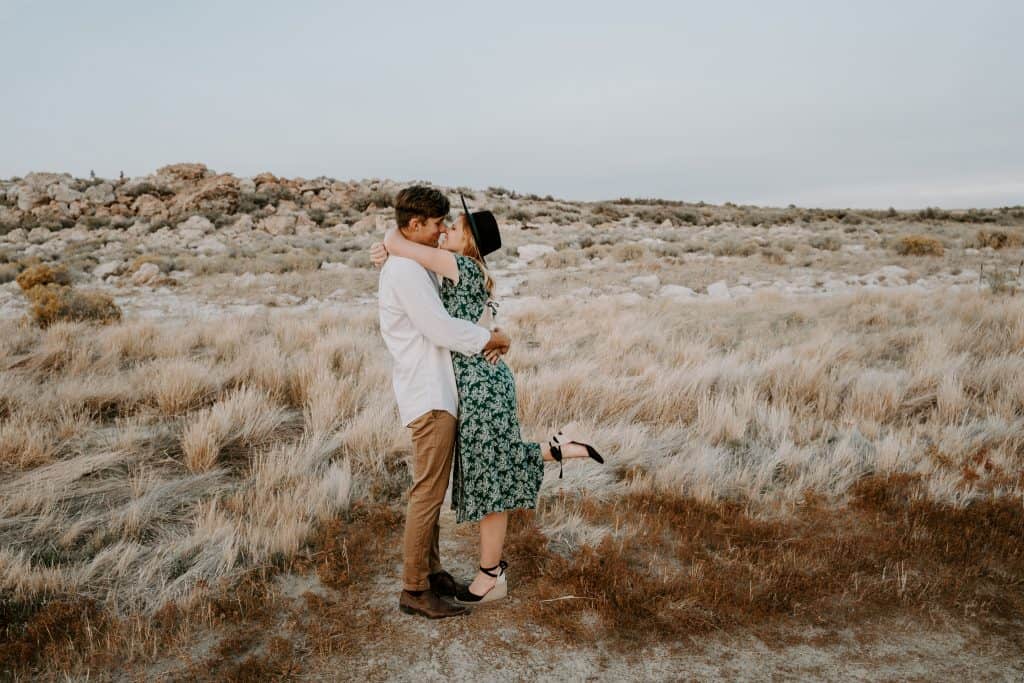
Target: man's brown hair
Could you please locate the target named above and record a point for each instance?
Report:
(419, 201)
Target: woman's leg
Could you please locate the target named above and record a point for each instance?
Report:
(569, 450)
(492, 539)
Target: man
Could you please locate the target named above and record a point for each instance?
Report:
(419, 333)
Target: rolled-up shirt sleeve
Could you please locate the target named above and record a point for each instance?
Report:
(417, 295)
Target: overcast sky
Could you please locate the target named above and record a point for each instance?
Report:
(826, 103)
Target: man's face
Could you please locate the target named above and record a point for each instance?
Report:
(427, 231)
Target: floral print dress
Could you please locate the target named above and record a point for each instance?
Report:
(493, 469)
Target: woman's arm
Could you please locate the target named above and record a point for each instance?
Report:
(438, 260)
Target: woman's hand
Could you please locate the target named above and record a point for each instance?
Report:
(378, 254)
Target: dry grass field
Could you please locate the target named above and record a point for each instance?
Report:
(813, 422)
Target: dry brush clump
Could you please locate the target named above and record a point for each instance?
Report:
(53, 299)
(919, 245)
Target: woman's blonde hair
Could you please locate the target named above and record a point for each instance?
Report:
(473, 252)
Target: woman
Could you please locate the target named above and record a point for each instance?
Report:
(494, 470)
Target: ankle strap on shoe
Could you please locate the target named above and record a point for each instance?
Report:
(490, 570)
(556, 452)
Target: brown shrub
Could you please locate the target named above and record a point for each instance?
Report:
(53, 302)
(997, 239)
(45, 630)
(629, 252)
(42, 274)
(682, 567)
(919, 245)
(731, 247)
(826, 242)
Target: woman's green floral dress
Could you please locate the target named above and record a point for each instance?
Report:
(494, 470)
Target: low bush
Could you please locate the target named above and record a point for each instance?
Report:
(826, 242)
(731, 247)
(43, 274)
(997, 239)
(52, 303)
(629, 252)
(919, 245)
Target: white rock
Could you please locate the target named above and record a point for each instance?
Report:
(197, 222)
(246, 185)
(280, 224)
(893, 271)
(740, 290)
(16, 236)
(243, 224)
(333, 265)
(194, 229)
(676, 292)
(531, 252)
(146, 273)
(38, 235)
(971, 251)
(100, 194)
(718, 290)
(107, 268)
(211, 245)
(835, 286)
(62, 193)
(646, 281)
(629, 298)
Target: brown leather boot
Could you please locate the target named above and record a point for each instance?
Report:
(444, 584)
(428, 604)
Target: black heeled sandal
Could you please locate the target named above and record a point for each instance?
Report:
(499, 590)
(560, 439)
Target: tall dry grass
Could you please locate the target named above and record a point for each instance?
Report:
(147, 464)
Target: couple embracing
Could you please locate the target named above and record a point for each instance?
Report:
(456, 396)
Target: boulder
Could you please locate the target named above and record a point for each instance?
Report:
(365, 224)
(719, 290)
(148, 206)
(147, 272)
(278, 224)
(38, 235)
(676, 292)
(62, 193)
(893, 272)
(16, 236)
(216, 193)
(211, 246)
(531, 252)
(304, 225)
(184, 172)
(107, 268)
(102, 194)
(646, 281)
(28, 197)
(194, 228)
(243, 224)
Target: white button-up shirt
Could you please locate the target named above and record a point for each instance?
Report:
(420, 335)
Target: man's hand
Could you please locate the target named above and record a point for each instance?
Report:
(378, 254)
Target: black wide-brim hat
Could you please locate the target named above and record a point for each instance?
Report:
(485, 229)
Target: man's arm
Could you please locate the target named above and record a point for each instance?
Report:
(415, 292)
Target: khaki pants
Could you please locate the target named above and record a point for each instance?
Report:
(433, 441)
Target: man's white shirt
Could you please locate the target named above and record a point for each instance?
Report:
(420, 335)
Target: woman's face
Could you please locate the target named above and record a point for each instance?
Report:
(456, 236)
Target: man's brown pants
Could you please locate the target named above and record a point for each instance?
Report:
(433, 440)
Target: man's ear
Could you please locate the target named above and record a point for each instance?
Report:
(415, 223)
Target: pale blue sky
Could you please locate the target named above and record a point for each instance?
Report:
(865, 104)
